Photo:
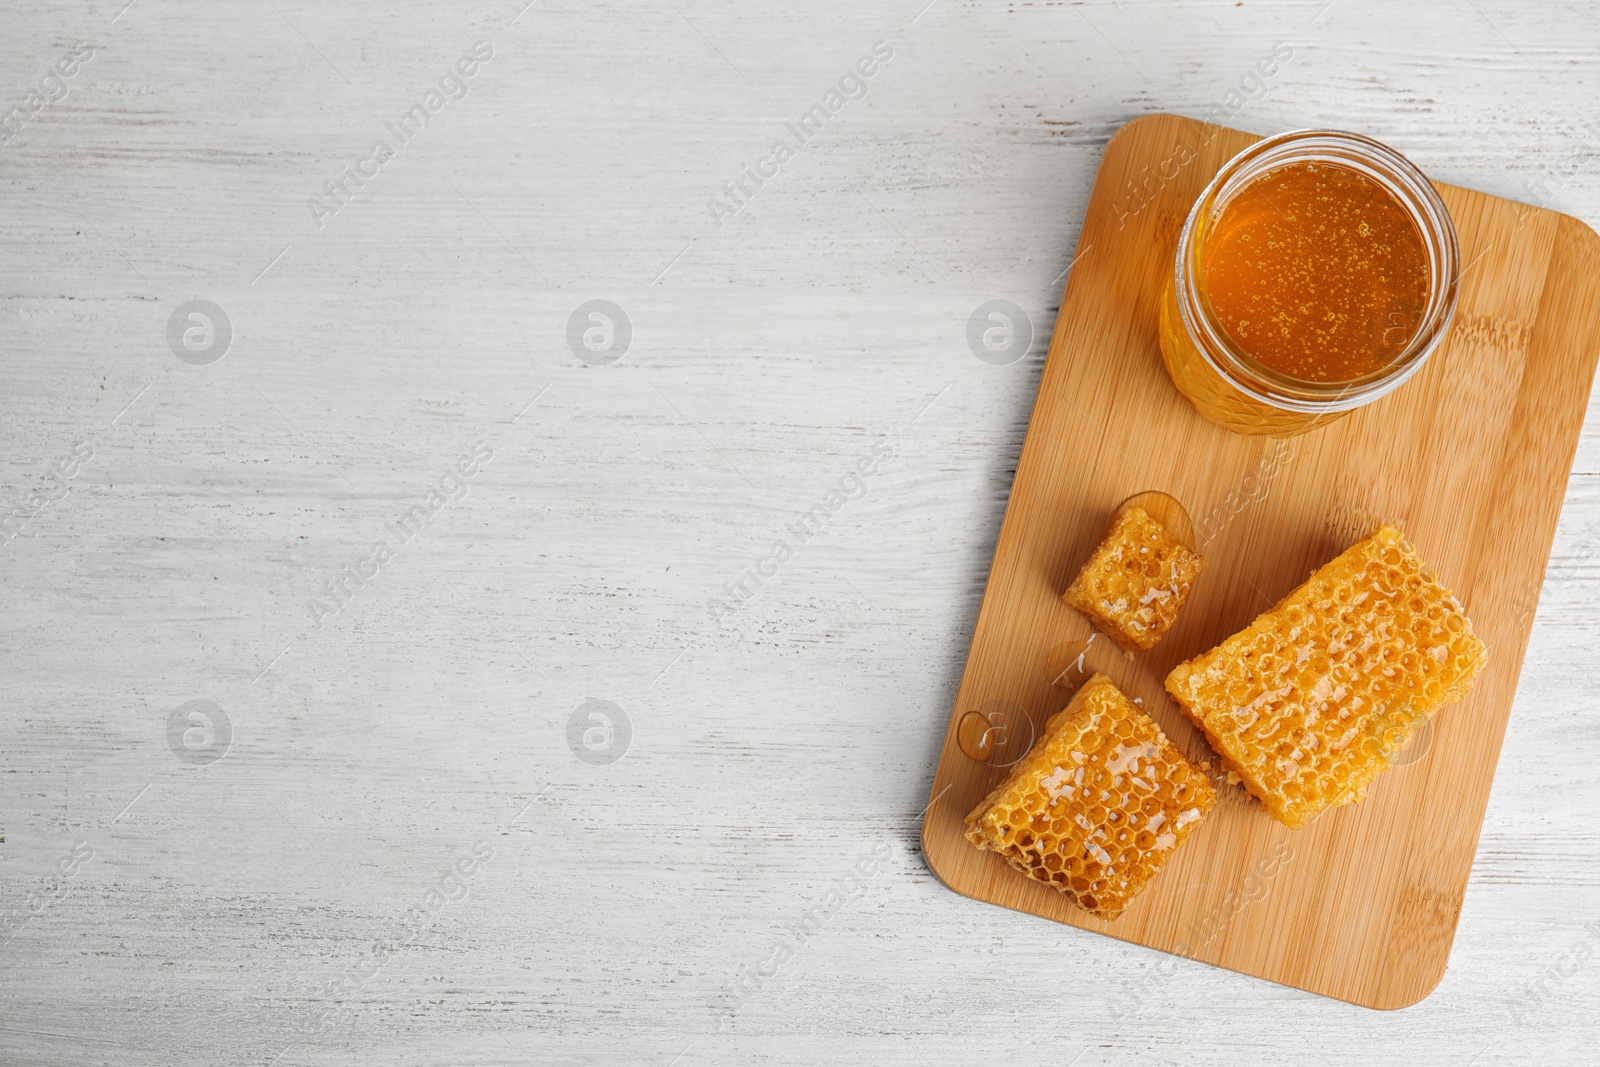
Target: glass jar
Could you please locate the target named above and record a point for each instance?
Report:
(1223, 381)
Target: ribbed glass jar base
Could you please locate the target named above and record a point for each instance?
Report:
(1213, 397)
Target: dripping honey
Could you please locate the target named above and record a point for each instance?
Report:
(1317, 272)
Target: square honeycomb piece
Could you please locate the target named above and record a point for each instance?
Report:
(1134, 584)
(1098, 804)
(1309, 702)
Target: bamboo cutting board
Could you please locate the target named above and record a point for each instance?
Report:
(1470, 459)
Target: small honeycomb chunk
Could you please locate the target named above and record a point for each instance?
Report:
(1311, 701)
(1098, 804)
(1134, 584)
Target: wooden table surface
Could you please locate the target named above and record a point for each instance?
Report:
(410, 661)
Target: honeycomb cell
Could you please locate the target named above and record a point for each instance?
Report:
(1133, 585)
(1107, 841)
(1334, 709)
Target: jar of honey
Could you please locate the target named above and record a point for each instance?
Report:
(1315, 274)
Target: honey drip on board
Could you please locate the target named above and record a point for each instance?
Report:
(975, 735)
(1168, 511)
(1317, 272)
(1069, 664)
(999, 733)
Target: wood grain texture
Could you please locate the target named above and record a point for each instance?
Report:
(770, 752)
(1469, 459)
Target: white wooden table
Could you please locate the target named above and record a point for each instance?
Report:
(396, 830)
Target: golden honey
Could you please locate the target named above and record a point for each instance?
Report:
(1098, 806)
(1315, 274)
(1309, 703)
(1134, 584)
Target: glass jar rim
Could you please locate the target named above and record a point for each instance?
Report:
(1402, 180)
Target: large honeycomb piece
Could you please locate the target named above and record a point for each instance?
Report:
(1135, 582)
(1309, 702)
(1098, 804)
